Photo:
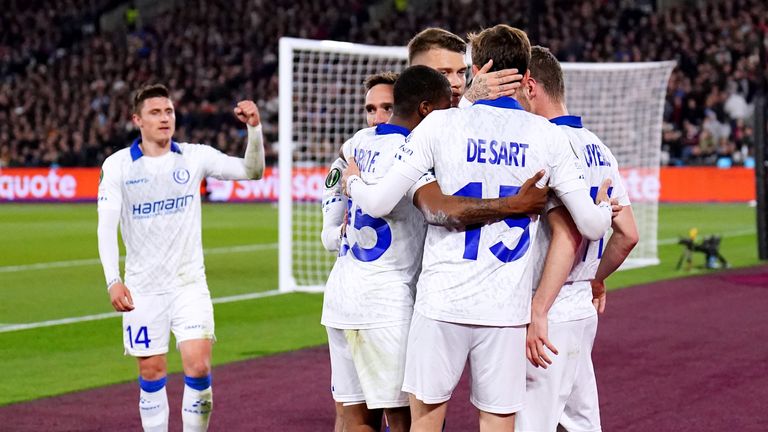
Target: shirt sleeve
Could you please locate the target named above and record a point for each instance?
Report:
(221, 166)
(334, 204)
(109, 253)
(418, 150)
(565, 171)
(110, 195)
(619, 189)
(424, 180)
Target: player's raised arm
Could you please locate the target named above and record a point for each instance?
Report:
(456, 212)
(248, 113)
(250, 167)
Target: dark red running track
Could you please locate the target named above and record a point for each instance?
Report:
(684, 355)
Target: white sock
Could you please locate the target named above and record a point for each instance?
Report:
(197, 404)
(153, 405)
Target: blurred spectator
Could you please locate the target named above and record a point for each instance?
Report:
(65, 85)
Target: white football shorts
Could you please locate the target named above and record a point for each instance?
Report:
(187, 312)
(566, 392)
(368, 365)
(437, 352)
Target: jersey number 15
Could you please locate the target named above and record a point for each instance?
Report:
(499, 250)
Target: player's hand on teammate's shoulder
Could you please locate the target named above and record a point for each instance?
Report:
(120, 297)
(351, 170)
(598, 295)
(247, 112)
(493, 85)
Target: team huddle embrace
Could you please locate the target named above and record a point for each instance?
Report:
(470, 228)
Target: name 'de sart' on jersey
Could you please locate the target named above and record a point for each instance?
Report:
(496, 152)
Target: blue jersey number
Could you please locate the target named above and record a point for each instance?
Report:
(142, 337)
(472, 234)
(362, 220)
(593, 194)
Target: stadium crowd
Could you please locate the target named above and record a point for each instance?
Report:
(65, 84)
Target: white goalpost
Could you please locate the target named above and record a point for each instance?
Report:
(321, 105)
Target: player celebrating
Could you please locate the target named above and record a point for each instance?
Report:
(379, 99)
(378, 105)
(565, 318)
(444, 51)
(369, 295)
(152, 189)
(379, 102)
(475, 304)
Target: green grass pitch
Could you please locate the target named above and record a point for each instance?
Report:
(40, 362)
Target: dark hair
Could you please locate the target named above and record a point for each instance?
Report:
(147, 92)
(372, 81)
(434, 37)
(507, 46)
(546, 70)
(417, 84)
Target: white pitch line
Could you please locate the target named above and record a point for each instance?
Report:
(4, 328)
(669, 241)
(93, 261)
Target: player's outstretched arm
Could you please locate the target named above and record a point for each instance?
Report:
(334, 206)
(247, 112)
(591, 220)
(457, 212)
(560, 257)
(379, 199)
(493, 85)
(621, 243)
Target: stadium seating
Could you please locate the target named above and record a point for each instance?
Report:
(65, 84)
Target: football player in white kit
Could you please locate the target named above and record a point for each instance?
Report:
(562, 389)
(152, 190)
(378, 105)
(368, 300)
(473, 294)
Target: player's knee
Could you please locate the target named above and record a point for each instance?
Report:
(152, 368)
(197, 368)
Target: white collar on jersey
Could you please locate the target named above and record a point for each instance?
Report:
(567, 120)
(137, 153)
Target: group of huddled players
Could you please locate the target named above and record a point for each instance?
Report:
(470, 229)
(431, 272)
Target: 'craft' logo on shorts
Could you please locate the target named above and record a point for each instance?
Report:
(181, 176)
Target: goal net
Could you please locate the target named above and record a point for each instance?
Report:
(321, 106)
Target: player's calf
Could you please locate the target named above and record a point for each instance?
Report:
(197, 404)
(153, 405)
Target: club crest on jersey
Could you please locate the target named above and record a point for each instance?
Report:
(333, 177)
(181, 176)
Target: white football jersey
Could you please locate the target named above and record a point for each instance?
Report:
(372, 282)
(160, 222)
(575, 298)
(482, 275)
